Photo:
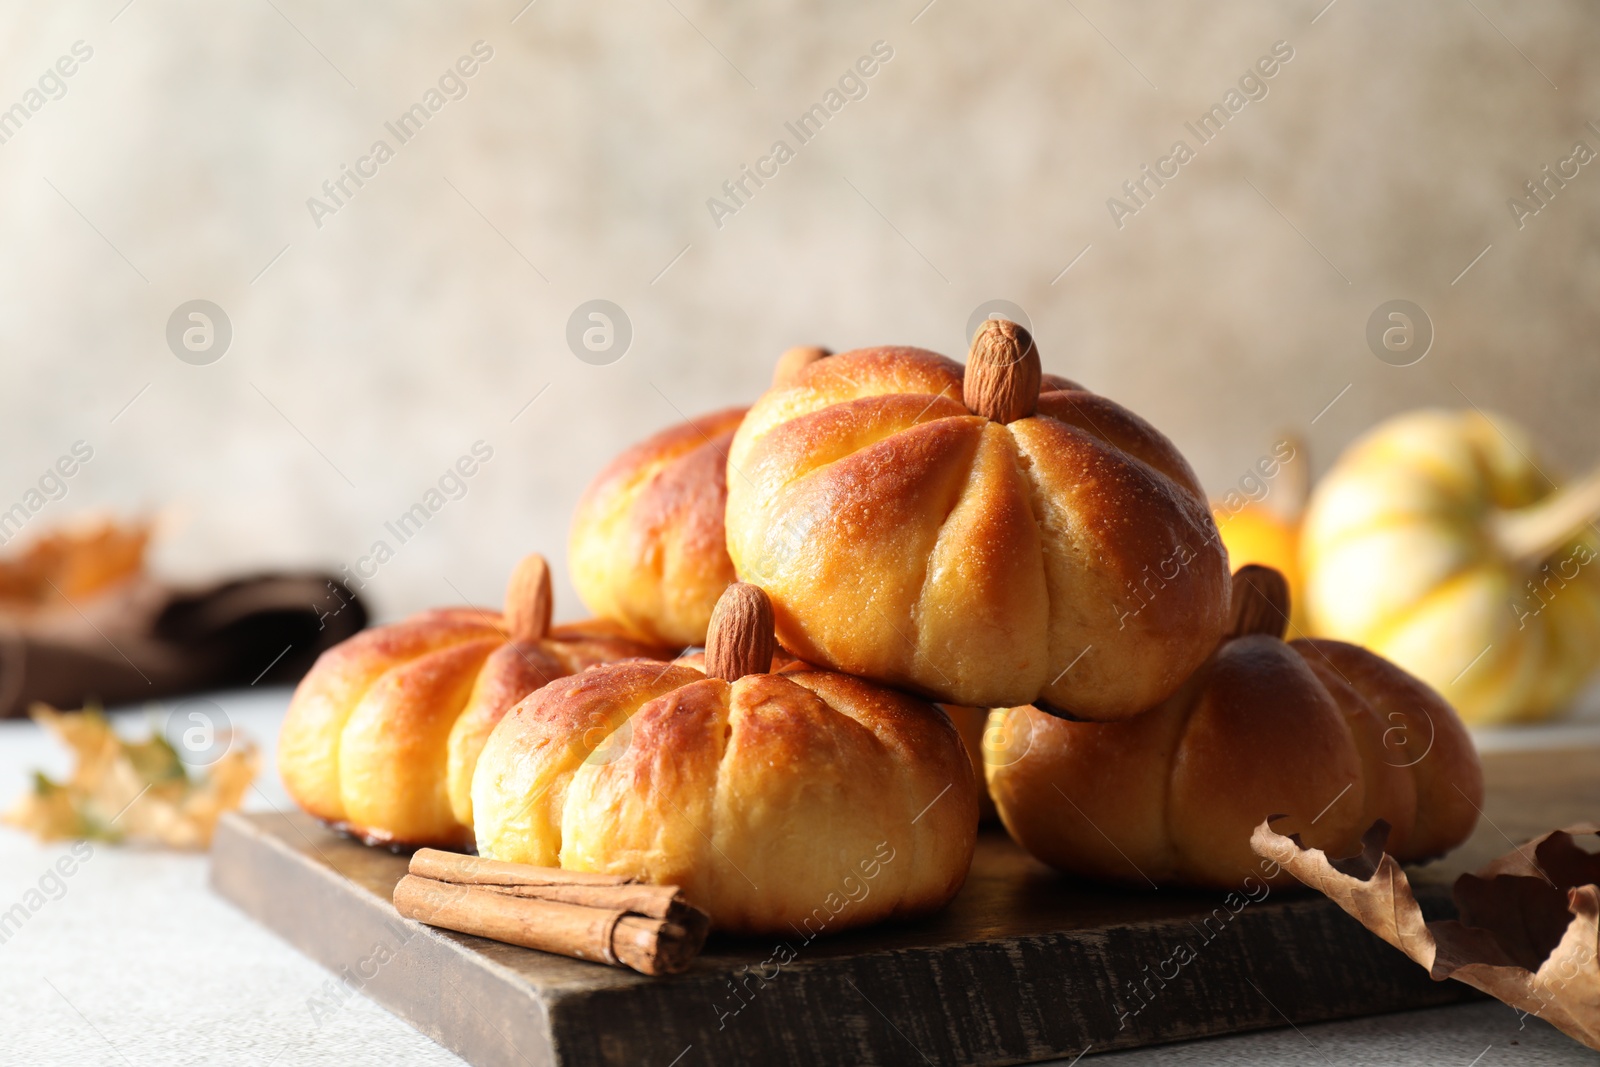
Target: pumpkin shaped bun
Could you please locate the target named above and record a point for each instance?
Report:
(1326, 733)
(383, 734)
(647, 547)
(986, 536)
(778, 802)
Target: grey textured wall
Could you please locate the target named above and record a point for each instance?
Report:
(425, 312)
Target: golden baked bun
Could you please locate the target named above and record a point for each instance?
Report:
(986, 536)
(383, 734)
(792, 803)
(647, 547)
(1326, 733)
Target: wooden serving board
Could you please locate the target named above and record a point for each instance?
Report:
(1024, 966)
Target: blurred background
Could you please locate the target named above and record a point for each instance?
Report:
(277, 273)
(381, 331)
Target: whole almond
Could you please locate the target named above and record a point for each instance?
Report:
(1003, 373)
(795, 360)
(529, 599)
(1260, 601)
(739, 640)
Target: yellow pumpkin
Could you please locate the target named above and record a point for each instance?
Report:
(1438, 541)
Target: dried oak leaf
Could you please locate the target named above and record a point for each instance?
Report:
(133, 791)
(1529, 931)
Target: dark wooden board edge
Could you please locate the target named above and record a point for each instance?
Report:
(1013, 1000)
(431, 980)
(1007, 1000)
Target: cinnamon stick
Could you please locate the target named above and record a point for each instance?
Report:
(607, 891)
(603, 918)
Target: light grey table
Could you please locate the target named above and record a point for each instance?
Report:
(133, 961)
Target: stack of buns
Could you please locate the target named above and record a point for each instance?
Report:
(884, 546)
(984, 535)
(759, 793)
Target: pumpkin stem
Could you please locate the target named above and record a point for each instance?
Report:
(528, 599)
(1530, 534)
(1003, 372)
(1260, 602)
(792, 362)
(740, 639)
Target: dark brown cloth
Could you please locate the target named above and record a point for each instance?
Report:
(146, 641)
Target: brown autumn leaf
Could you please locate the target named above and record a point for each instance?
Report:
(71, 563)
(1529, 932)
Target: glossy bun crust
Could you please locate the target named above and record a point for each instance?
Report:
(1326, 733)
(1068, 557)
(797, 802)
(382, 735)
(647, 546)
